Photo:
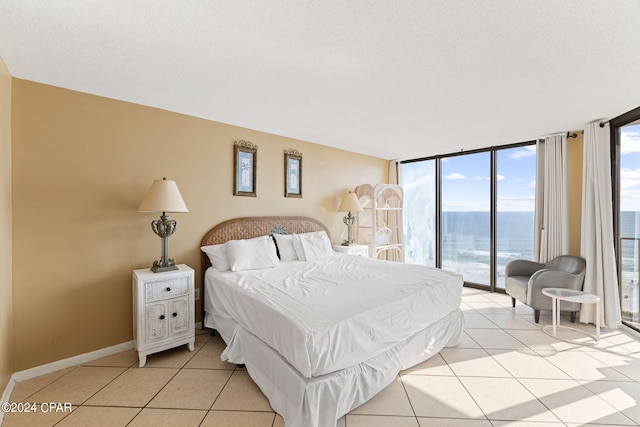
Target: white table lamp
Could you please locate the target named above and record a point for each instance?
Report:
(163, 196)
(350, 203)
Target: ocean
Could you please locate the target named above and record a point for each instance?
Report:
(466, 242)
(466, 248)
(629, 264)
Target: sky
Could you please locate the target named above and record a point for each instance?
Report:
(630, 168)
(466, 184)
(465, 178)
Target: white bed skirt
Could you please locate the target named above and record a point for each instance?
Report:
(321, 401)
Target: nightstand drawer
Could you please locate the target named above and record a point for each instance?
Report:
(164, 289)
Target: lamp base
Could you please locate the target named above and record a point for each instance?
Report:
(349, 243)
(164, 228)
(161, 267)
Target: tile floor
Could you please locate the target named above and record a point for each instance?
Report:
(505, 372)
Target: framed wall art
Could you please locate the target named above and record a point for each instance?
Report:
(292, 173)
(245, 156)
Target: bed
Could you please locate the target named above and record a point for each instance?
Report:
(322, 335)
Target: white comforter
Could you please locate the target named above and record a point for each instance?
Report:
(326, 315)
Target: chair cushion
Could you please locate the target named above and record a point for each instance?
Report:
(516, 286)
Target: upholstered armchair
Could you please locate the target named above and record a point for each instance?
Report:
(524, 281)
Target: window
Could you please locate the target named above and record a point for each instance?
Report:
(466, 221)
(515, 206)
(625, 138)
(419, 186)
(471, 213)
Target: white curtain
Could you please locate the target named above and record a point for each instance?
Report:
(551, 214)
(597, 228)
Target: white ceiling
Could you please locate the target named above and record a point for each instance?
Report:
(390, 78)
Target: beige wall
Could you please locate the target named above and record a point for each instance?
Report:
(6, 327)
(81, 166)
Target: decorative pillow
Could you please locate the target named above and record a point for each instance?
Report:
(252, 254)
(312, 246)
(218, 256)
(287, 251)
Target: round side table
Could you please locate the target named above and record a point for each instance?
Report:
(570, 295)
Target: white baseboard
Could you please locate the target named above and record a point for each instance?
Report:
(69, 362)
(72, 361)
(6, 395)
(61, 364)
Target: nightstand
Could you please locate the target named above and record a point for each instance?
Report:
(163, 310)
(359, 250)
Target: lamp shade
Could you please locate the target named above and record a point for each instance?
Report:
(350, 203)
(163, 196)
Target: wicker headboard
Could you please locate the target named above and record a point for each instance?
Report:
(248, 227)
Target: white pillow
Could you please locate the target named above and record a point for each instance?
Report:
(287, 251)
(252, 254)
(218, 256)
(297, 247)
(313, 246)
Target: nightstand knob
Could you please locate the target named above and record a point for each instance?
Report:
(175, 314)
(162, 317)
(168, 289)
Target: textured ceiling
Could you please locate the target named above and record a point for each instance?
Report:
(389, 78)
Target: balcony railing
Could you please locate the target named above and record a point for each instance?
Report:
(629, 268)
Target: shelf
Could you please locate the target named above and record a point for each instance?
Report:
(393, 246)
(382, 200)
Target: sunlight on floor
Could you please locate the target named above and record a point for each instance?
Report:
(505, 372)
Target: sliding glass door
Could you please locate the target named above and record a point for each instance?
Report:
(466, 220)
(419, 186)
(626, 149)
(515, 206)
(471, 213)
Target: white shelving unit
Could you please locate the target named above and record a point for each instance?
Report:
(379, 225)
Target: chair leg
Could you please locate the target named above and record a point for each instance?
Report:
(513, 302)
(573, 316)
(536, 315)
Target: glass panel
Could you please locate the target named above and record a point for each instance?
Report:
(419, 185)
(629, 256)
(516, 183)
(466, 223)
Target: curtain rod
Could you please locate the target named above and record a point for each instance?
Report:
(569, 135)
